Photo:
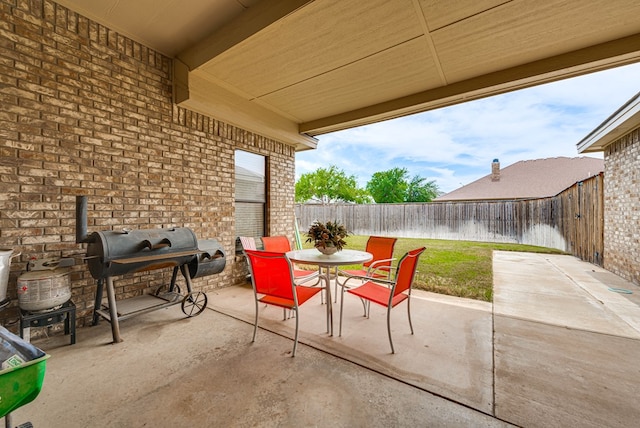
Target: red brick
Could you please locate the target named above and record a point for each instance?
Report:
(86, 111)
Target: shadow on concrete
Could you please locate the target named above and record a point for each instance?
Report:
(556, 348)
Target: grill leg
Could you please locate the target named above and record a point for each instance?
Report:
(174, 277)
(113, 311)
(187, 277)
(98, 302)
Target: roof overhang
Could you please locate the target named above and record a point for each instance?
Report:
(619, 124)
(295, 69)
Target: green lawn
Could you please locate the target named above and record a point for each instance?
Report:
(457, 268)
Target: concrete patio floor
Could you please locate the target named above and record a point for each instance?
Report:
(556, 348)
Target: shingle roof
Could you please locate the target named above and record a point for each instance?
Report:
(536, 178)
(620, 123)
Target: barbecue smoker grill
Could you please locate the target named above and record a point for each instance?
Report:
(114, 253)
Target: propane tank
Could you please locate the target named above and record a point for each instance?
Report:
(46, 285)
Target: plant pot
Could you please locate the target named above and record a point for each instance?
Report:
(327, 251)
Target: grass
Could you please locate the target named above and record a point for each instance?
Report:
(456, 268)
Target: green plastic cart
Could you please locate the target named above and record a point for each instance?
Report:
(21, 382)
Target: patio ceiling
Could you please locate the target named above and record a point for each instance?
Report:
(293, 69)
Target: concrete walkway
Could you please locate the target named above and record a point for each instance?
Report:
(557, 348)
(567, 343)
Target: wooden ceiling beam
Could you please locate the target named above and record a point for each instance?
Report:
(599, 57)
(248, 23)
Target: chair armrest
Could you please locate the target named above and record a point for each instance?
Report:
(377, 265)
(383, 264)
(365, 279)
(304, 279)
(377, 262)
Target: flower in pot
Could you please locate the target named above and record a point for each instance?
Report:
(327, 237)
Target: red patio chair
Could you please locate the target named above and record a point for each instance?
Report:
(276, 244)
(379, 266)
(281, 244)
(273, 284)
(387, 293)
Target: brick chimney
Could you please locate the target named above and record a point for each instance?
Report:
(495, 170)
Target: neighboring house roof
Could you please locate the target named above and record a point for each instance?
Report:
(538, 178)
(620, 123)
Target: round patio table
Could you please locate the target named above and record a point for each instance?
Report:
(325, 264)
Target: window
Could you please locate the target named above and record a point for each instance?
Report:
(251, 194)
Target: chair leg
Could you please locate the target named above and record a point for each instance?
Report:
(255, 324)
(364, 305)
(341, 306)
(295, 341)
(323, 293)
(409, 313)
(389, 328)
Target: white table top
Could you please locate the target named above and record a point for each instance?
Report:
(340, 258)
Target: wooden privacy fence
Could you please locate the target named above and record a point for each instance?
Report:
(571, 221)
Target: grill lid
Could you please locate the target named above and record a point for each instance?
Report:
(111, 253)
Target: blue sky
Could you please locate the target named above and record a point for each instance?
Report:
(454, 146)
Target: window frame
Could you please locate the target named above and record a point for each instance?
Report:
(239, 199)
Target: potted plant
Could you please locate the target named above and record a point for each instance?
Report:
(327, 237)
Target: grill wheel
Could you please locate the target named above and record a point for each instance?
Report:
(194, 303)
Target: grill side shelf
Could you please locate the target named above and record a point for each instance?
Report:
(151, 258)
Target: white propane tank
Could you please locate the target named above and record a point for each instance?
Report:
(46, 287)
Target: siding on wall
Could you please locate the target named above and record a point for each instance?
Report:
(622, 202)
(85, 110)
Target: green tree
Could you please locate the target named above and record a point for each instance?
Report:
(330, 185)
(421, 190)
(394, 186)
(387, 187)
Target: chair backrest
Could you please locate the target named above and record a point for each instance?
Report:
(248, 243)
(271, 274)
(277, 244)
(407, 270)
(381, 247)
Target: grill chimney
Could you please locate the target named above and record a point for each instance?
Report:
(81, 220)
(495, 170)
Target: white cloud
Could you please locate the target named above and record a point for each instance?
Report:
(455, 145)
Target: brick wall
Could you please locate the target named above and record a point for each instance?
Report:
(621, 202)
(86, 111)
